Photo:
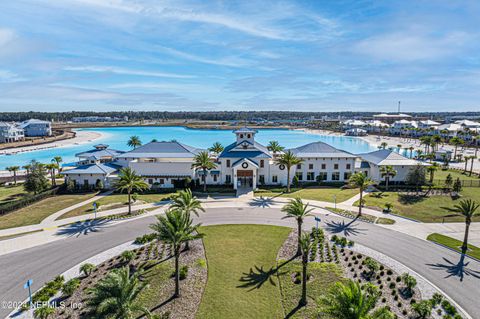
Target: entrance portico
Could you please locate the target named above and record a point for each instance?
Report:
(245, 174)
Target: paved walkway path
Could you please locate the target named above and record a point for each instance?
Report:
(46, 231)
(458, 277)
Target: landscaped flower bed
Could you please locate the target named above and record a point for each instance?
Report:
(157, 266)
(397, 291)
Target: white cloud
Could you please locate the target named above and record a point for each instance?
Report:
(119, 70)
(6, 36)
(9, 77)
(411, 46)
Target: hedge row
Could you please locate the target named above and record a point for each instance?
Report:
(27, 200)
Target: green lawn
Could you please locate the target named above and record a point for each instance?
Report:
(239, 283)
(325, 194)
(115, 201)
(441, 175)
(322, 277)
(11, 193)
(432, 209)
(454, 244)
(35, 213)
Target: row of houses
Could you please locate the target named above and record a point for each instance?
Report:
(414, 128)
(14, 132)
(244, 164)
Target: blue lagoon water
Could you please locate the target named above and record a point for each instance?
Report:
(117, 138)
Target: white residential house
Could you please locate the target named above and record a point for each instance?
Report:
(402, 127)
(372, 162)
(35, 128)
(10, 132)
(428, 124)
(356, 132)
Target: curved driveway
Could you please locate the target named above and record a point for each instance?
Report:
(459, 278)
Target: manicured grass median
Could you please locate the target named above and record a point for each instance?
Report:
(454, 244)
(430, 209)
(35, 213)
(11, 193)
(115, 201)
(233, 251)
(325, 194)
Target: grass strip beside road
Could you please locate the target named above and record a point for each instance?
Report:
(241, 283)
(454, 244)
(35, 213)
(324, 194)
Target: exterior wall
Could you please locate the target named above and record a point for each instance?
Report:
(329, 168)
(38, 129)
(10, 134)
(402, 172)
(91, 178)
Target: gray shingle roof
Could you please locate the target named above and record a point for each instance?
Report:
(163, 149)
(320, 149)
(387, 157)
(106, 169)
(98, 154)
(259, 151)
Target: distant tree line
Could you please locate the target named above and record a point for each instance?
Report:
(211, 115)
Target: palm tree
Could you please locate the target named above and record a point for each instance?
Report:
(432, 169)
(58, 160)
(305, 246)
(456, 141)
(216, 148)
(383, 145)
(203, 161)
(351, 300)
(387, 172)
(115, 296)
(466, 208)
(51, 168)
(87, 269)
(27, 167)
(134, 141)
(14, 169)
(288, 159)
(361, 181)
(275, 147)
(129, 181)
(175, 228)
(472, 159)
(411, 148)
(186, 202)
(298, 210)
(44, 312)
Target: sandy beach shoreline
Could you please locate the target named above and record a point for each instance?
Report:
(81, 137)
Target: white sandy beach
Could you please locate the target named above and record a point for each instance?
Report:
(80, 138)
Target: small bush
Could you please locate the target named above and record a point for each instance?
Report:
(183, 272)
(70, 286)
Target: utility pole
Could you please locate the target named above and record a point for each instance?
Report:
(398, 107)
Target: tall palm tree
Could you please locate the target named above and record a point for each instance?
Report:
(14, 170)
(361, 181)
(275, 147)
(115, 296)
(306, 247)
(58, 160)
(411, 148)
(387, 172)
(134, 141)
(27, 167)
(298, 210)
(432, 169)
(456, 141)
(186, 202)
(351, 300)
(175, 228)
(216, 148)
(288, 159)
(472, 159)
(466, 208)
(203, 161)
(129, 181)
(51, 168)
(383, 145)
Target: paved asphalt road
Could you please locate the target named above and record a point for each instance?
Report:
(458, 278)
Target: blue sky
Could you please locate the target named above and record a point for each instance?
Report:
(61, 55)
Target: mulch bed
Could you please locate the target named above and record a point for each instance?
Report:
(351, 263)
(191, 288)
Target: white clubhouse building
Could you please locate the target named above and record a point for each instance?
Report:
(243, 164)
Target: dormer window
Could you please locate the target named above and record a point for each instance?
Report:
(241, 135)
(248, 135)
